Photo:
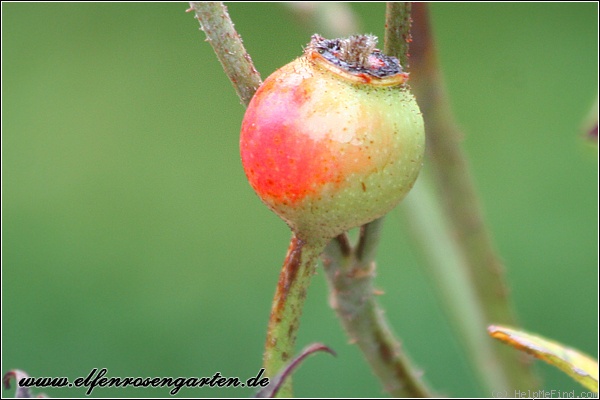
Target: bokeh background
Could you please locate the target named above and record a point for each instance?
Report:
(132, 241)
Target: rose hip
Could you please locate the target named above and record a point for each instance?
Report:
(334, 139)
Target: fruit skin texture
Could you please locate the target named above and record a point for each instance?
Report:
(327, 154)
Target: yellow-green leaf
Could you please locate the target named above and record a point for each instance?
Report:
(577, 365)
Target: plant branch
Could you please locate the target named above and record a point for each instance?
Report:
(460, 204)
(227, 44)
(397, 31)
(350, 278)
(296, 273)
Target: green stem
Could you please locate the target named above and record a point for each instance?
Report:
(397, 31)
(350, 278)
(460, 204)
(296, 273)
(227, 43)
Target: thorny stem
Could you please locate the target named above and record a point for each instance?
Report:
(227, 43)
(296, 273)
(350, 274)
(460, 203)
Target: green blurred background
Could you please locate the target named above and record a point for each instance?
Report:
(132, 241)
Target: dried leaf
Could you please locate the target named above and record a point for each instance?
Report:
(577, 365)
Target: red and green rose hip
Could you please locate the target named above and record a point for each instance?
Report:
(334, 139)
